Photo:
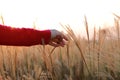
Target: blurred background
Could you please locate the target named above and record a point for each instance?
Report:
(48, 14)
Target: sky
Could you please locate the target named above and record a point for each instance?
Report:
(48, 14)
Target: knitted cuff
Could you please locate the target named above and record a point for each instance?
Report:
(54, 33)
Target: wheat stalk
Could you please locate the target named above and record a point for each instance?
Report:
(87, 31)
(2, 19)
(77, 42)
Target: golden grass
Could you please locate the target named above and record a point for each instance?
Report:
(81, 59)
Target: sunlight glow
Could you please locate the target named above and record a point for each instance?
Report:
(47, 14)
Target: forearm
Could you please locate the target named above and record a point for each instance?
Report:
(23, 36)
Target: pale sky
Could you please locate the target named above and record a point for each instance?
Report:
(48, 14)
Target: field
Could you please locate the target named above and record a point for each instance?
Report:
(96, 58)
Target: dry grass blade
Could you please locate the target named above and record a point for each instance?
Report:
(94, 38)
(77, 42)
(51, 51)
(68, 54)
(94, 47)
(117, 30)
(116, 15)
(98, 56)
(2, 19)
(51, 61)
(87, 31)
(102, 36)
(44, 55)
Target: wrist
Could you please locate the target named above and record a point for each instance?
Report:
(54, 33)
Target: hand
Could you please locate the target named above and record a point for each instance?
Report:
(57, 38)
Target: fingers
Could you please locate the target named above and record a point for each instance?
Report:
(56, 44)
(57, 41)
(64, 37)
(61, 37)
(53, 44)
(57, 38)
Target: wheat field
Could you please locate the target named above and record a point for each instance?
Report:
(97, 58)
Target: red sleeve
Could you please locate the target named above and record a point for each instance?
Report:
(23, 36)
